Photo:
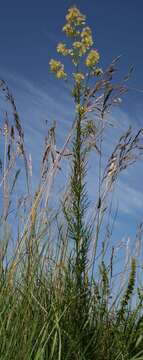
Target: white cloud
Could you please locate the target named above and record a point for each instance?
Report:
(130, 199)
(37, 103)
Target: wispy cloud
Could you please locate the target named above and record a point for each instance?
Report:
(38, 103)
(130, 199)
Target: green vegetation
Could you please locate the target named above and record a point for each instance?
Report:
(59, 298)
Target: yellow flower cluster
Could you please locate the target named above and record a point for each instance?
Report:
(83, 39)
(92, 58)
(86, 36)
(58, 68)
(79, 77)
(85, 43)
(61, 49)
(69, 30)
(74, 19)
(77, 45)
(82, 42)
(74, 16)
(81, 46)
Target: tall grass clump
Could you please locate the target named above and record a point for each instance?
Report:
(62, 292)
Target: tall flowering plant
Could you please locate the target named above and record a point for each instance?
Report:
(84, 59)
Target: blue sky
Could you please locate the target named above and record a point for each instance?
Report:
(30, 30)
(29, 33)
